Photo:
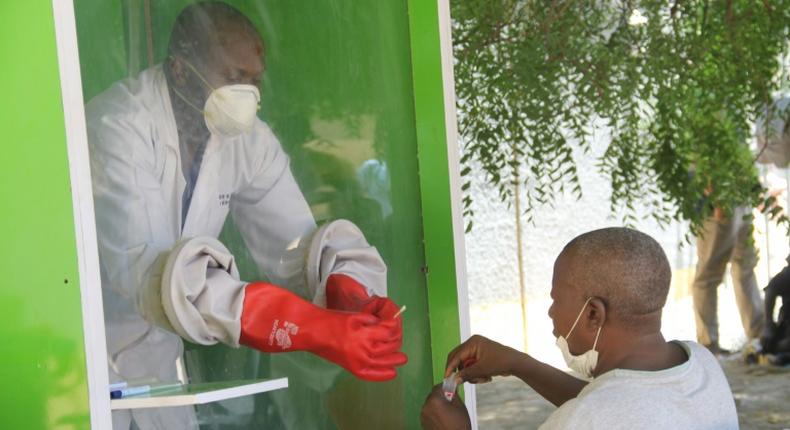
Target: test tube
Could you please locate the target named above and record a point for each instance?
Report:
(448, 387)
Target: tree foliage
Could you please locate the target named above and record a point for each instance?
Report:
(676, 84)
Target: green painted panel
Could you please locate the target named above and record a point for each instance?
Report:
(434, 182)
(338, 92)
(42, 360)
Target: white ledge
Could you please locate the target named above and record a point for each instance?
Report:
(198, 394)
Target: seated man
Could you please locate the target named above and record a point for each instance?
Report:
(608, 288)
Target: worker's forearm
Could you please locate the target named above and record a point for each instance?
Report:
(553, 384)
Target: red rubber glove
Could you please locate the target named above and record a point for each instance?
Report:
(346, 294)
(275, 320)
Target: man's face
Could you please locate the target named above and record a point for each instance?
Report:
(235, 58)
(567, 302)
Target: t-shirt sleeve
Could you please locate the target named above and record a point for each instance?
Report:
(561, 416)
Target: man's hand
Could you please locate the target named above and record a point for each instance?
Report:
(385, 310)
(274, 319)
(344, 293)
(439, 414)
(719, 215)
(380, 307)
(480, 359)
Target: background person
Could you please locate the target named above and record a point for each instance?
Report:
(726, 239)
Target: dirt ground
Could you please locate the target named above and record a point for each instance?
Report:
(762, 397)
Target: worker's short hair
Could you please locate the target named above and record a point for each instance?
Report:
(625, 268)
(200, 27)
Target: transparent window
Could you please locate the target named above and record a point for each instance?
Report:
(179, 151)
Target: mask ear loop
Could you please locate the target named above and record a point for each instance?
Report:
(194, 70)
(577, 318)
(183, 97)
(596, 337)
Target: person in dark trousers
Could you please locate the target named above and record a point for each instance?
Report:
(775, 338)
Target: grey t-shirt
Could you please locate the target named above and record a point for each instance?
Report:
(693, 395)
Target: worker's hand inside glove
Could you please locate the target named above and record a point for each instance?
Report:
(345, 293)
(276, 320)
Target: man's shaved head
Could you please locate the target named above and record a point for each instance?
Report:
(625, 268)
(202, 28)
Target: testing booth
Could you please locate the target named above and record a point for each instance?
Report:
(359, 95)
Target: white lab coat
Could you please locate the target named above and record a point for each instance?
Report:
(138, 185)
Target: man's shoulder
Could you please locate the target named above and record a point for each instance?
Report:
(262, 131)
(702, 357)
(261, 140)
(132, 98)
(680, 397)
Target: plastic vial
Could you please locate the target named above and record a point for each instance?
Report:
(448, 387)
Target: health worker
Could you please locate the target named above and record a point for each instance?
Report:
(174, 151)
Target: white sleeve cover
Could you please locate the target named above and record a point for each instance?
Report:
(203, 296)
(201, 292)
(340, 247)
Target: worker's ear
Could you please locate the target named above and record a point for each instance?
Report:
(596, 314)
(178, 70)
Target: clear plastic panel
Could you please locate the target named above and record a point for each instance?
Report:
(336, 93)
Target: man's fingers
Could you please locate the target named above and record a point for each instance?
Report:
(461, 356)
(453, 360)
(379, 332)
(363, 320)
(377, 374)
(390, 360)
(468, 361)
(393, 326)
(473, 373)
(382, 307)
(383, 348)
(374, 307)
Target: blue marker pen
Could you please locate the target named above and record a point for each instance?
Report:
(144, 389)
(129, 391)
(118, 385)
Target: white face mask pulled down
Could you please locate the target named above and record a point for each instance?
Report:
(229, 110)
(583, 364)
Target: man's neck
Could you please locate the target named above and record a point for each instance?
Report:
(192, 130)
(647, 351)
(189, 120)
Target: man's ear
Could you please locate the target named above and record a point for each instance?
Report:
(596, 314)
(178, 70)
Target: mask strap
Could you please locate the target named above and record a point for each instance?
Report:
(577, 318)
(182, 97)
(596, 337)
(198, 74)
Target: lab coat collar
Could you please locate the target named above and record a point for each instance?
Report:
(166, 108)
(208, 175)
